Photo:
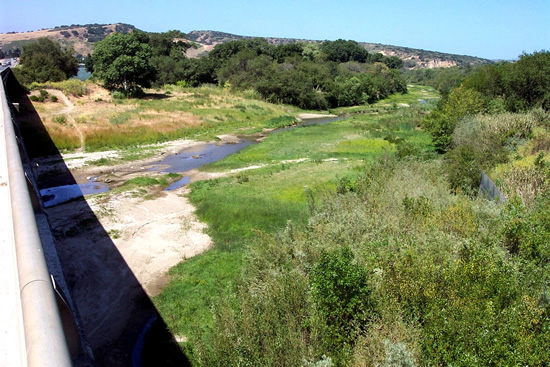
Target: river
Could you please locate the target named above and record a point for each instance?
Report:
(181, 162)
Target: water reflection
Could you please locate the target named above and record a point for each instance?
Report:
(61, 194)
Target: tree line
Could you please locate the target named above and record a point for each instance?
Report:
(309, 75)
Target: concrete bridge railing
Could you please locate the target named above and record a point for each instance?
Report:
(34, 303)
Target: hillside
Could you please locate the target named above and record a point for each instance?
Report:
(414, 58)
(83, 37)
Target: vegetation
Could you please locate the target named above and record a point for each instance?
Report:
(351, 243)
(311, 76)
(71, 87)
(416, 58)
(442, 79)
(129, 123)
(397, 262)
(266, 199)
(44, 60)
(319, 76)
(493, 88)
(122, 62)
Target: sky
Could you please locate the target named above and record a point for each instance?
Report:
(492, 29)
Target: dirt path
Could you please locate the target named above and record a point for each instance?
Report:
(67, 111)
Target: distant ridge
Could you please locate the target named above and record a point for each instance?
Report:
(413, 58)
(83, 37)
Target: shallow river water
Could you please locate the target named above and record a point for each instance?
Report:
(181, 162)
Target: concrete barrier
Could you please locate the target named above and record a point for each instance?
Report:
(44, 338)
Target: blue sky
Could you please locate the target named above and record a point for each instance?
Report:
(494, 29)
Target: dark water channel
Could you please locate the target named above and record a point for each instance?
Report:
(184, 161)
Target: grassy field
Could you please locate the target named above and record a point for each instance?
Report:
(96, 121)
(298, 165)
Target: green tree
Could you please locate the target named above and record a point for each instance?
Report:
(45, 60)
(89, 63)
(441, 123)
(122, 61)
(343, 51)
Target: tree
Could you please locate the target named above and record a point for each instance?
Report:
(344, 51)
(442, 121)
(169, 58)
(44, 60)
(122, 61)
(393, 62)
(89, 63)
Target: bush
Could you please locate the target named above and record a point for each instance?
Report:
(463, 169)
(341, 294)
(60, 119)
(53, 99)
(74, 87)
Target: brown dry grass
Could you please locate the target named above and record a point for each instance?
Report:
(103, 122)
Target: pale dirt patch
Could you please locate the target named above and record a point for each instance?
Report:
(79, 162)
(305, 116)
(228, 139)
(152, 235)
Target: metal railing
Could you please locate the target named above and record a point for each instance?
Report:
(488, 188)
(45, 341)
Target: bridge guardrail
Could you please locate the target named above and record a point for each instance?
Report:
(45, 341)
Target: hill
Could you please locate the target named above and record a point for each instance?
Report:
(83, 37)
(414, 58)
(80, 37)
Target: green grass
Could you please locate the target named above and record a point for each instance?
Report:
(265, 202)
(140, 184)
(415, 94)
(358, 138)
(126, 155)
(239, 207)
(75, 87)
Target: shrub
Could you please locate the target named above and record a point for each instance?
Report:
(463, 169)
(183, 84)
(60, 119)
(341, 294)
(526, 231)
(53, 99)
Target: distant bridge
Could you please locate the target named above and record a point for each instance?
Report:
(38, 326)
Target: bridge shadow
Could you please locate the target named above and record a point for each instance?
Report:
(115, 311)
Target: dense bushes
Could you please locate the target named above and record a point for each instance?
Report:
(313, 76)
(391, 272)
(512, 87)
